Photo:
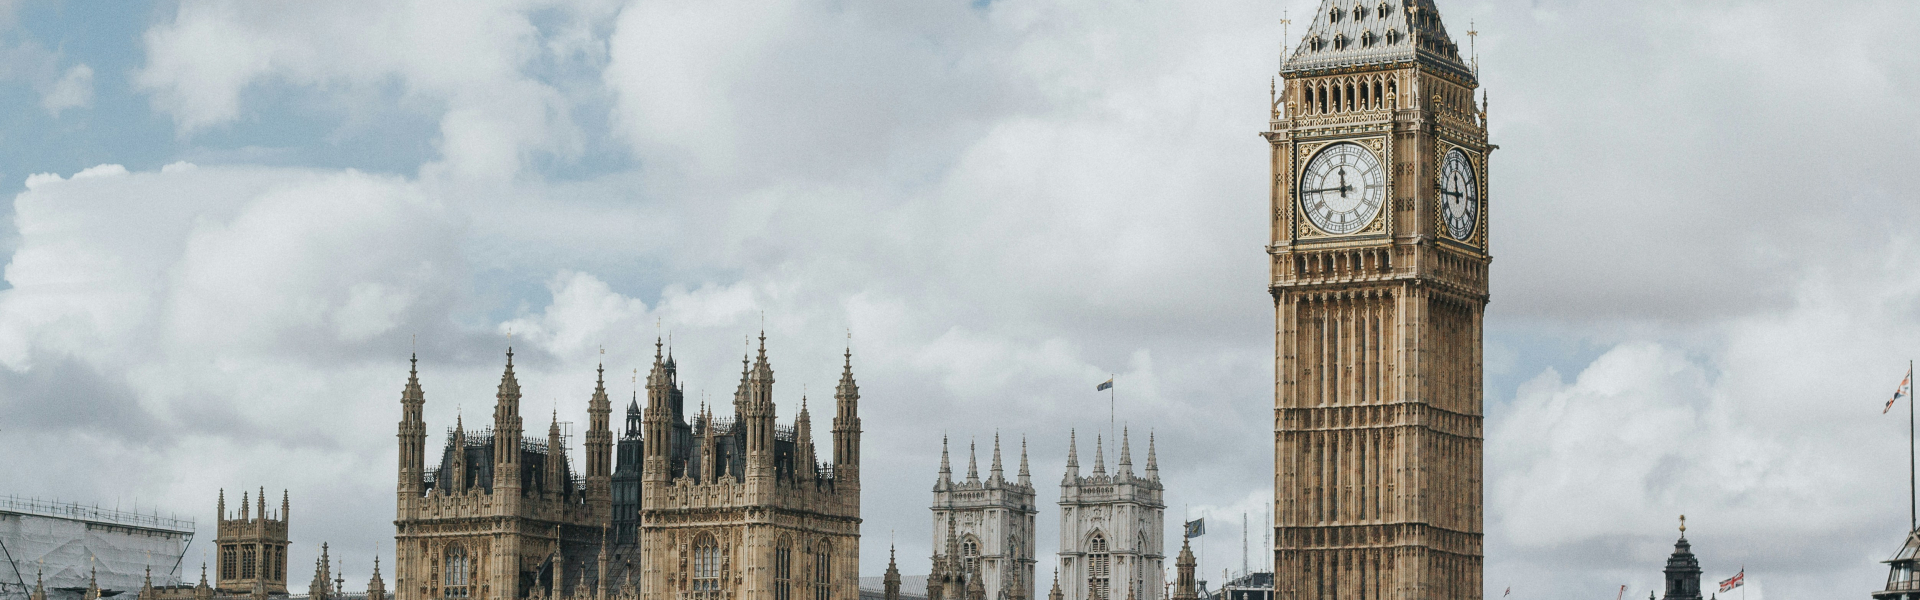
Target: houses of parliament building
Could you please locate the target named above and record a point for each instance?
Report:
(696, 507)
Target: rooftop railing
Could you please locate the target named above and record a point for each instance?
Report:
(79, 512)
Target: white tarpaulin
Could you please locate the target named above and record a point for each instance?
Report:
(64, 542)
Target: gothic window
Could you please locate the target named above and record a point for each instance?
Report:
(822, 571)
(970, 553)
(229, 561)
(457, 568)
(1098, 564)
(249, 557)
(278, 572)
(783, 569)
(706, 564)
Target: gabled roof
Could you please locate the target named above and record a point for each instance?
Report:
(1347, 33)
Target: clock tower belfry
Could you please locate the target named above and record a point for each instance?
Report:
(1379, 281)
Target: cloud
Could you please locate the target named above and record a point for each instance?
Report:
(479, 68)
(1005, 203)
(73, 90)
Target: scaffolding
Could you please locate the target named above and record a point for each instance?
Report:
(66, 543)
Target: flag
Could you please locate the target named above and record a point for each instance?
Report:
(1107, 385)
(1622, 594)
(1509, 592)
(1196, 528)
(1905, 389)
(1734, 581)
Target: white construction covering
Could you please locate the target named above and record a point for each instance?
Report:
(65, 541)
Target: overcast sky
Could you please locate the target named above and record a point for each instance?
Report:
(232, 220)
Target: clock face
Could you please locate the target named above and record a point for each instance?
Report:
(1342, 188)
(1459, 196)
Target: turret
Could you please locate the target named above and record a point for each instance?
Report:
(756, 412)
(891, 582)
(40, 587)
(1183, 588)
(658, 419)
(555, 469)
(506, 435)
(376, 588)
(222, 510)
(805, 468)
(846, 429)
(413, 434)
(600, 447)
(457, 480)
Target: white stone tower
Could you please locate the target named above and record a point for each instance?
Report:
(994, 522)
(1111, 528)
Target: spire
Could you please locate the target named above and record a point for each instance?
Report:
(222, 510)
(973, 463)
(1153, 464)
(1343, 37)
(376, 587)
(243, 505)
(283, 505)
(1099, 455)
(261, 501)
(1073, 456)
(1056, 593)
(506, 429)
(946, 471)
(846, 424)
(995, 475)
(890, 583)
(1126, 452)
(1026, 478)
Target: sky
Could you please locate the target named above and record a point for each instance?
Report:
(231, 222)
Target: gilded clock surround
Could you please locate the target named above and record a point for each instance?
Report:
(1305, 153)
(1378, 421)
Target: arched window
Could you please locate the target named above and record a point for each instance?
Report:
(1098, 565)
(783, 569)
(457, 569)
(822, 571)
(706, 564)
(970, 553)
(247, 560)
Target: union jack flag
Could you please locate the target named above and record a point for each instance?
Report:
(1905, 390)
(1734, 581)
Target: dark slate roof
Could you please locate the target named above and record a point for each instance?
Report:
(1349, 33)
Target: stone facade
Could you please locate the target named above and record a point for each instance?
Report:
(500, 517)
(252, 547)
(987, 526)
(1111, 527)
(741, 508)
(699, 508)
(1379, 280)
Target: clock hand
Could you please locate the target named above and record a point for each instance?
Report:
(1454, 194)
(1343, 183)
(1342, 189)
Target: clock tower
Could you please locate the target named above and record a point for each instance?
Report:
(1379, 280)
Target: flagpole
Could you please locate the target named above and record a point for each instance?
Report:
(1913, 474)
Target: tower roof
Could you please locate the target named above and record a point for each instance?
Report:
(1349, 33)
